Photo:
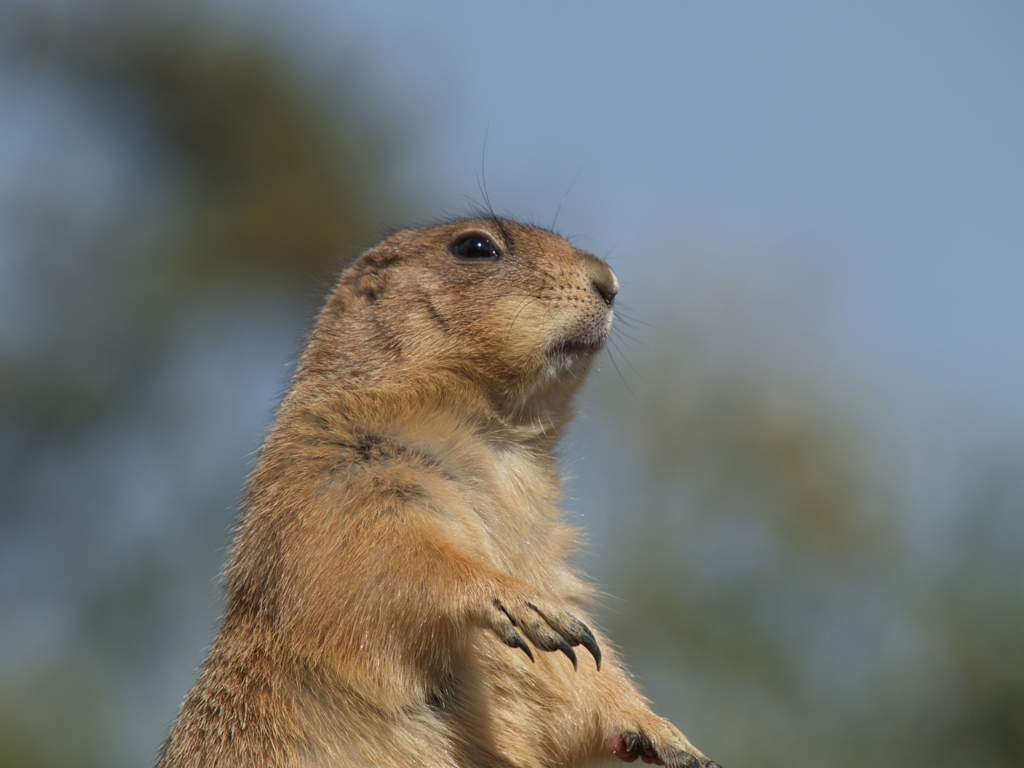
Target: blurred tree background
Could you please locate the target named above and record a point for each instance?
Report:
(171, 225)
(195, 197)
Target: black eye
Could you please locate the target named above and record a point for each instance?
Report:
(475, 246)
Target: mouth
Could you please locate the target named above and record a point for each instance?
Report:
(581, 342)
(575, 347)
(573, 356)
(587, 341)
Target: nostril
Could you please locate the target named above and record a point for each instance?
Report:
(606, 288)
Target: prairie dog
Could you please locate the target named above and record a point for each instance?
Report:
(399, 589)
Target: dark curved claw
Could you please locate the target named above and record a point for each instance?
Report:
(557, 631)
(588, 641)
(509, 636)
(631, 740)
(521, 644)
(639, 745)
(565, 648)
(575, 632)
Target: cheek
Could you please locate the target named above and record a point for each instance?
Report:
(522, 325)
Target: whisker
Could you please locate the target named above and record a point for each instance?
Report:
(625, 359)
(634, 339)
(621, 305)
(624, 313)
(627, 324)
(482, 180)
(558, 210)
(619, 370)
(527, 300)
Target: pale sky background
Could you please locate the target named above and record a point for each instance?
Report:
(876, 148)
(874, 151)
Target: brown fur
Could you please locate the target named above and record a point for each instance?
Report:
(401, 555)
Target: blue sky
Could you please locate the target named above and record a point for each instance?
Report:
(870, 153)
(877, 148)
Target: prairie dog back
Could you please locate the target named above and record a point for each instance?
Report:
(400, 590)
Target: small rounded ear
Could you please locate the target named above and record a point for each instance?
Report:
(367, 276)
(371, 285)
(365, 281)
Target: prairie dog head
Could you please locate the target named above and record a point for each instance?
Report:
(512, 310)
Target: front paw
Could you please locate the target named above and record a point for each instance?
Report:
(547, 627)
(630, 745)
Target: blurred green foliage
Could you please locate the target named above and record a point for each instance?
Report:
(192, 201)
(776, 598)
(279, 172)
